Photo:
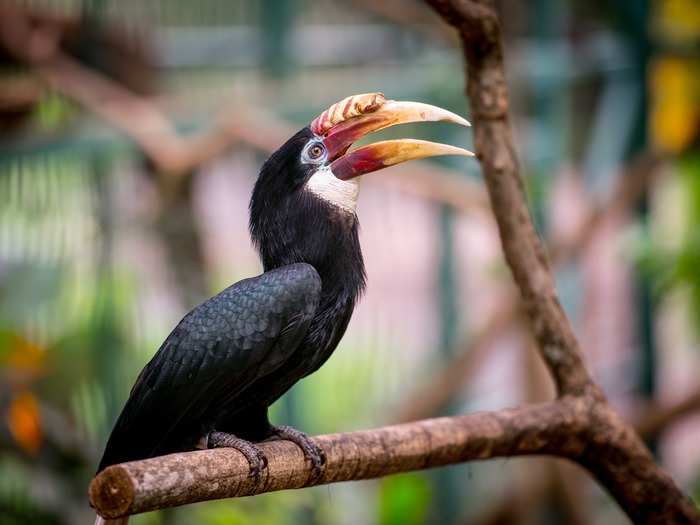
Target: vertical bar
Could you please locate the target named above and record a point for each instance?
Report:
(646, 380)
(448, 481)
(277, 27)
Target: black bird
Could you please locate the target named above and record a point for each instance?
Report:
(211, 382)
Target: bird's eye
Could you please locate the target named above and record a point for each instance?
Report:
(316, 151)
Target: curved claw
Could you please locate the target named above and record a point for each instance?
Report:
(256, 457)
(258, 464)
(312, 451)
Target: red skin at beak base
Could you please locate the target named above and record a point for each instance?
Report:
(339, 138)
(356, 163)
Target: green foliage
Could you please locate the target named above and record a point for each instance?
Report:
(404, 499)
(26, 288)
(677, 269)
(684, 271)
(17, 505)
(53, 111)
(331, 395)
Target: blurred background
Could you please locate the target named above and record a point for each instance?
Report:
(131, 134)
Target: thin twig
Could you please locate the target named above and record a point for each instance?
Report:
(658, 418)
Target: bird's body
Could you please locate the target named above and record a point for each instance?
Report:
(235, 354)
(231, 357)
(208, 372)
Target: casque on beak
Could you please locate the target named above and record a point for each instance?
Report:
(352, 118)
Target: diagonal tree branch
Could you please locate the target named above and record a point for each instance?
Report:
(615, 454)
(486, 87)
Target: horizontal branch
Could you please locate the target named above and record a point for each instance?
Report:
(189, 477)
(658, 418)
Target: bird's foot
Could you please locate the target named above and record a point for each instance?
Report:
(256, 458)
(312, 451)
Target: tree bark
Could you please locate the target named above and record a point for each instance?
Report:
(615, 454)
(178, 479)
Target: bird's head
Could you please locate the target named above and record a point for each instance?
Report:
(303, 204)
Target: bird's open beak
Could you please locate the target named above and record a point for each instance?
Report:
(347, 121)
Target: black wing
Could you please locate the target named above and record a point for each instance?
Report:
(215, 352)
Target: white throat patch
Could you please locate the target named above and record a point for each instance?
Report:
(338, 192)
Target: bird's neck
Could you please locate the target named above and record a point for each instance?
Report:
(342, 268)
(312, 231)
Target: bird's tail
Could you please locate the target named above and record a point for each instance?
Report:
(99, 520)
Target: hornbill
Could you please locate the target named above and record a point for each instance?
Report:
(211, 382)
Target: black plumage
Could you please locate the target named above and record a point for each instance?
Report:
(232, 356)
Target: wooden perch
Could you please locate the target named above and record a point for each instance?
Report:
(179, 479)
(580, 425)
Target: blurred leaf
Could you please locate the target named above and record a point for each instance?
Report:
(404, 499)
(20, 354)
(53, 111)
(26, 287)
(678, 269)
(24, 422)
(225, 515)
(17, 506)
(685, 271)
(675, 115)
(88, 406)
(279, 508)
(680, 16)
(330, 397)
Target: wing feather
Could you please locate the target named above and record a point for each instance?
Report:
(213, 354)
